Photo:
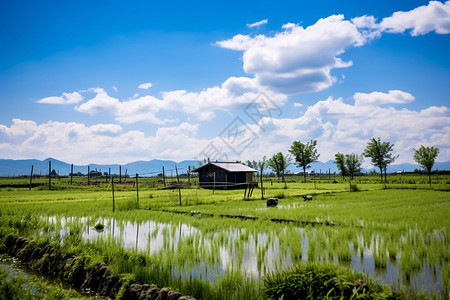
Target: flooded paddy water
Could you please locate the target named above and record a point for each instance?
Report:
(192, 252)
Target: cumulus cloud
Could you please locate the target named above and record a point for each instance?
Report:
(234, 93)
(346, 128)
(100, 143)
(101, 102)
(257, 24)
(145, 86)
(298, 60)
(65, 98)
(18, 128)
(338, 126)
(393, 96)
(432, 17)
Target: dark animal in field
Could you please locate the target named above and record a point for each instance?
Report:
(272, 202)
(307, 198)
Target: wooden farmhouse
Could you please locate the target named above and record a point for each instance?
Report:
(225, 175)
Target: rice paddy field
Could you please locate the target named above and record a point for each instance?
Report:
(220, 245)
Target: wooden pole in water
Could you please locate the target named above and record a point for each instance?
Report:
(31, 177)
(112, 184)
(137, 235)
(178, 180)
(137, 189)
(71, 173)
(49, 175)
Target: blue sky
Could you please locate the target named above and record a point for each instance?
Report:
(115, 82)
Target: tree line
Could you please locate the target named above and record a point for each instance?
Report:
(380, 154)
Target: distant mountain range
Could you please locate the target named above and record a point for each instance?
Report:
(10, 167)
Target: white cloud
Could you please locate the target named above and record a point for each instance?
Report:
(346, 128)
(101, 102)
(365, 22)
(18, 128)
(298, 60)
(432, 17)
(234, 93)
(145, 86)
(65, 98)
(100, 143)
(115, 89)
(288, 26)
(257, 24)
(393, 96)
(338, 127)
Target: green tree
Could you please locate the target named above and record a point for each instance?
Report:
(380, 155)
(353, 163)
(426, 157)
(304, 154)
(278, 163)
(339, 160)
(262, 164)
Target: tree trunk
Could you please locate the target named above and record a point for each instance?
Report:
(385, 175)
(304, 173)
(429, 177)
(381, 174)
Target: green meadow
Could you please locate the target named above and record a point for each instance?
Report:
(219, 245)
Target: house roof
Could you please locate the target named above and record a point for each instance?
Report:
(229, 166)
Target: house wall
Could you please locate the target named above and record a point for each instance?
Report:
(223, 179)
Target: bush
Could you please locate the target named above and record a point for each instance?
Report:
(316, 281)
(354, 187)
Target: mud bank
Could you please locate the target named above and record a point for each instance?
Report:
(81, 273)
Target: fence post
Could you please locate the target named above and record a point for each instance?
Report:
(71, 173)
(89, 174)
(214, 186)
(31, 177)
(164, 177)
(112, 184)
(49, 175)
(120, 174)
(178, 180)
(189, 175)
(137, 189)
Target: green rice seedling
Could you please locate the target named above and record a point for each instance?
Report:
(380, 259)
(392, 250)
(343, 254)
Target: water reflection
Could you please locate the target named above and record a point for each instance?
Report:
(207, 255)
